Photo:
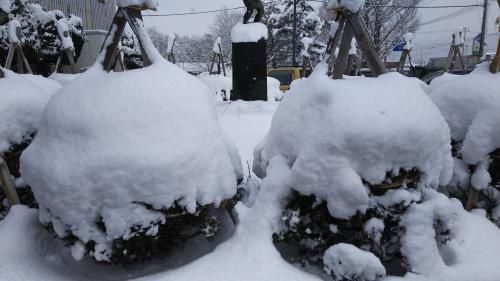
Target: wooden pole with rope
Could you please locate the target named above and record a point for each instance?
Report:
(217, 58)
(16, 49)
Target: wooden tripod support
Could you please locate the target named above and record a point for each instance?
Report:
(131, 15)
(170, 51)
(402, 61)
(8, 184)
(455, 51)
(69, 54)
(16, 49)
(351, 26)
(218, 59)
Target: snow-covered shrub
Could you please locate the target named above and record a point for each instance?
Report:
(128, 165)
(348, 263)
(22, 100)
(42, 44)
(273, 89)
(345, 142)
(471, 106)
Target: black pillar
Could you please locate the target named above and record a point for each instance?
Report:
(250, 71)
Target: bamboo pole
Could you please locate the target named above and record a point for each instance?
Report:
(8, 184)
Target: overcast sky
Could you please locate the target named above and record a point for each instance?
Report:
(431, 40)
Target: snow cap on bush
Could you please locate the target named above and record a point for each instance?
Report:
(115, 149)
(338, 133)
(470, 105)
(21, 105)
(150, 4)
(349, 263)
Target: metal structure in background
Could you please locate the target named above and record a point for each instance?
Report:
(454, 53)
(131, 15)
(16, 49)
(218, 58)
(351, 26)
(95, 14)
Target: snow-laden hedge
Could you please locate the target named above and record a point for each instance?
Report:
(117, 152)
(471, 106)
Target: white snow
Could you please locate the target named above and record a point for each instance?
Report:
(347, 262)
(469, 254)
(354, 49)
(306, 42)
(335, 134)
(13, 26)
(219, 85)
(470, 105)
(150, 4)
(251, 32)
(5, 5)
(21, 105)
(217, 45)
(374, 229)
(408, 41)
(274, 92)
(64, 35)
(107, 143)
(352, 5)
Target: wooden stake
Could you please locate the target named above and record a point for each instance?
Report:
(345, 46)
(8, 184)
(402, 61)
(495, 63)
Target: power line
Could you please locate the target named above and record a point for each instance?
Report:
(193, 13)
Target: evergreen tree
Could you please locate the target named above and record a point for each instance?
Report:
(279, 19)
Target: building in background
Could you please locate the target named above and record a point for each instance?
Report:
(95, 14)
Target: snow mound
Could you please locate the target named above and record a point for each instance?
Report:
(251, 32)
(442, 241)
(150, 4)
(50, 86)
(5, 5)
(337, 134)
(116, 150)
(21, 105)
(273, 89)
(219, 85)
(462, 98)
(347, 262)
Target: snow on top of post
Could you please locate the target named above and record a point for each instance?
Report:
(409, 41)
(251, 32)
(64, 35)
(306, 42)
(171, 42)
(149, 4)
(14, 25)
(333, 28)
(354, 49)
(352, 5)
(5, 5)
(458, 38)
(217, 45)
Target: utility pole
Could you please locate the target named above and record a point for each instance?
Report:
(483, 29)
(294, 40)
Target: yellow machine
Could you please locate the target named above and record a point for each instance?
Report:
(286, 75)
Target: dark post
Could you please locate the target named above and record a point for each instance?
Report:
(249, 70)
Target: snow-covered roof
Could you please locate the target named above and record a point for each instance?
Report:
(337, 134)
